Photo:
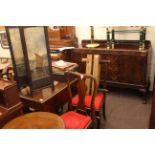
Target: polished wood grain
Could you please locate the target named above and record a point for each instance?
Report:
(124, 66)
(36, 120)
(119, 44)
(47, 99)
(62, 36)
(89, 64)
(8, 114)
(10, 104)
(67, 32)
(81, 92)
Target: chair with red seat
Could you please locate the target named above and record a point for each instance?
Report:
(79, 118)
(99, 100)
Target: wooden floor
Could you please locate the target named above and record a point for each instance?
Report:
(125, 110)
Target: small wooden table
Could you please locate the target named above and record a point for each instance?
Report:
(36, 120)
(47, 99)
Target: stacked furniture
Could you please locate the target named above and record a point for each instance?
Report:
(10, 104)
(62, 36)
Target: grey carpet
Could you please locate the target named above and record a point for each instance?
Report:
(125, 110)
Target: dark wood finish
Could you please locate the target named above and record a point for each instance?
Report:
(36, 120)
(8, 93)
(62, 36)
(8, 114)
(81, 91)
(67, 32)
(47, 99)
(10, 104)
(54, 34)
(124, 66)
(152, 116)
(119, 44)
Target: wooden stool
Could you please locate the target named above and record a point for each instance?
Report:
(36, 120)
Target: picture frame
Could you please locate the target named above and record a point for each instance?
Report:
(37, 56)
(4, 40)
(17, 54)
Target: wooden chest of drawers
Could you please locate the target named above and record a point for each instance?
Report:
(10, 104)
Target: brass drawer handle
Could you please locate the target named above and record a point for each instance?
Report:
(104, 61)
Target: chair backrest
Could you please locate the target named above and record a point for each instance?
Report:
(81, 90)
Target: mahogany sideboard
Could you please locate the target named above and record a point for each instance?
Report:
(124, 66)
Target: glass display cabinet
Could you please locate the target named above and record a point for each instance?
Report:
(31, 57)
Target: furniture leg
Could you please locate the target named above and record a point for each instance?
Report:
(104, 115)
(144, 93)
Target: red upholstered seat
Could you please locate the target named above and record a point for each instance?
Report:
(97, 103)
(74, 120)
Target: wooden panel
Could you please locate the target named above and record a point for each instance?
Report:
(10, 114)
(124, 68)
(54, 34)
(77, 58)
(89, 61)
(114, 68)
(133, 69)
(97, 68)
(105, 67)
(67, 32)
(10, 105)
(62, 36)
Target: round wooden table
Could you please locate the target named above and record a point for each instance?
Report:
(36, 120)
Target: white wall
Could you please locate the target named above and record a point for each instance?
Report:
(2, 50)
(100, 33)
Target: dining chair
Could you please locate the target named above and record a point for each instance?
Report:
(98, 100)
(79, 118)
